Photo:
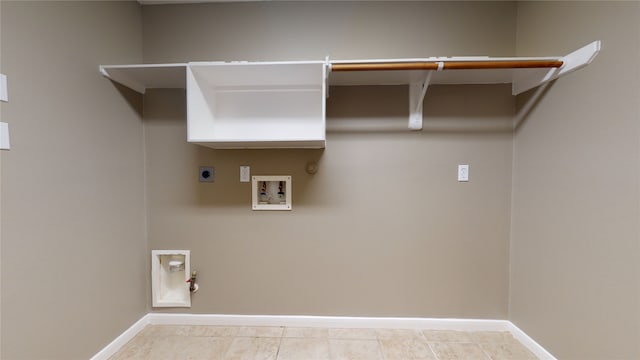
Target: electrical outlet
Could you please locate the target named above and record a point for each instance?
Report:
(463, 173)
(4, 95)
(206, 174)
(245, 173)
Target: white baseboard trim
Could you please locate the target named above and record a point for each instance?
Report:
(329, 321)
(323, 321)
(531, 344)
(122, 340)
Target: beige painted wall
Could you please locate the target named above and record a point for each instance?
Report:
(73, 234)
(575, 278)
(312, 30)
(383, 228)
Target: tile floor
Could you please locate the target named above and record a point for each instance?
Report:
(159, 342)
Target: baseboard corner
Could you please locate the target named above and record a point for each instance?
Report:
(122, 339)
(533, 346)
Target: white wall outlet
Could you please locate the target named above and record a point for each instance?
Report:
(245, 173)
(206, 173)
(4, 95)
(4, 136)
(463, 173)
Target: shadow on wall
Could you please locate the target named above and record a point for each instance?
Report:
(133, 98)
(527, 101)
(446, 109)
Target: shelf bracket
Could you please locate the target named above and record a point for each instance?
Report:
(326, 71)
(571, 62)
(417, 91)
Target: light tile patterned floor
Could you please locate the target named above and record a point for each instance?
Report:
(158, 342)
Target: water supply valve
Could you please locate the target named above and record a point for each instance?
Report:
(193, 286)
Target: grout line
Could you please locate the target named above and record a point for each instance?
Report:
(433, 351)
(484, 351)
(279, 345)
(380, 349)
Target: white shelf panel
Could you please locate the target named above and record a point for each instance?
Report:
(144, 76)
(521, 78)
(282, 104)
(147, 76)
(252, 105)
(261, 144)
(242, 74)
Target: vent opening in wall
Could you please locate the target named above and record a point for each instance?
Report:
(170, 272)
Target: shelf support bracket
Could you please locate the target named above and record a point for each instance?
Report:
(417, 91)
(326, 71)
(571, 62)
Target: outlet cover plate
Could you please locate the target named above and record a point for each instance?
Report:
(245, 173)
(463, 173)
(206, 174)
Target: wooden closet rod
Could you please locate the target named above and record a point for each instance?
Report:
(448, 65)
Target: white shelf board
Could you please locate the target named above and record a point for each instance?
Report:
(522, 79)
(141, 77)
(406, 77)
(572, 62)
(282, 104)
(144, 76)
(256, 105)
(243, 74)
(261, 144)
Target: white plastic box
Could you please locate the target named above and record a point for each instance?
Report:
(170, 270)
(256, 104)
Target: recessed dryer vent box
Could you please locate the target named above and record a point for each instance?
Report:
(170, 270)
(256, 104)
